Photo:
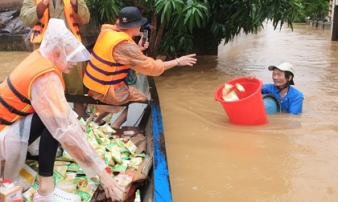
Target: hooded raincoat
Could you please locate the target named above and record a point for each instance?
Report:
(47, 98)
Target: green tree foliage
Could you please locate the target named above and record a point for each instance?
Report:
(183, 26)
(316, 9)
(103, 11)
(227, 18)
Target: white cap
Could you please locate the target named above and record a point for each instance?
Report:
(284, 66)
(60, 45)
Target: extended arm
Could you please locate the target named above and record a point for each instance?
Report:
(28, 13)
(52, 107)
(129, 53)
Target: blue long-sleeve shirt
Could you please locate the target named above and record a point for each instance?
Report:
(292, 102)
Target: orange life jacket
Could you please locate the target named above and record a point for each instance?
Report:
(102, 70)
(15, 90)
(39, 29)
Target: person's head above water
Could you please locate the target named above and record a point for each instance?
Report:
(282, 74)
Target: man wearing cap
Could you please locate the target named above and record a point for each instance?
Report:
(113, 55)
(291, 99)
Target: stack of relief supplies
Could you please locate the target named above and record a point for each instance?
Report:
(124, 154)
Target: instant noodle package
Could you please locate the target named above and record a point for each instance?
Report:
(118, 151)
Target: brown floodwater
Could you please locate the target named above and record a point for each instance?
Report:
(292, 158)
(9, 60)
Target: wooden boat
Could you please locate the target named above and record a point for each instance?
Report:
(159, 188)
(146, 117)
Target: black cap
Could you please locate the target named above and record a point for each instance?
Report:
(130, 17)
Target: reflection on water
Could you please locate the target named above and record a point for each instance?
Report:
(292, 158)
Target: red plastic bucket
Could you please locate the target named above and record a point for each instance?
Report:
(249, 109)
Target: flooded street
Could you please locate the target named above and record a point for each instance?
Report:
(293, 158)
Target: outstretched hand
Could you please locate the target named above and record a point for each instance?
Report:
(108, 184)
(187, 60)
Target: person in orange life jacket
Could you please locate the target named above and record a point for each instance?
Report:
(36, 13)
(33, 105)
(282, 75)
(113, 55)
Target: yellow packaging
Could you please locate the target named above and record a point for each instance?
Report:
(131, 147)
(26, 177)
(68, 184)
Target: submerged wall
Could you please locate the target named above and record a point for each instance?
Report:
(10, 42)
(10, 4)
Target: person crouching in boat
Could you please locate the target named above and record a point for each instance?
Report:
(33, 105)
(113, 55)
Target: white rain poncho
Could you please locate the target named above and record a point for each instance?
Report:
(60, 46)
(49, 102)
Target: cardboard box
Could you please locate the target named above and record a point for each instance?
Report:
(10, 194)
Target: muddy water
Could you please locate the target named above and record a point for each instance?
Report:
(292, 158)
(9, 60)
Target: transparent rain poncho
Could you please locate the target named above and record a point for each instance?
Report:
(60, 46)
(49, 102)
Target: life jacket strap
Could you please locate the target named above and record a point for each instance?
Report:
(105, 61)
(105, 82)
(12, 109)
(5, 122)
(105, 72)
(19, 95)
